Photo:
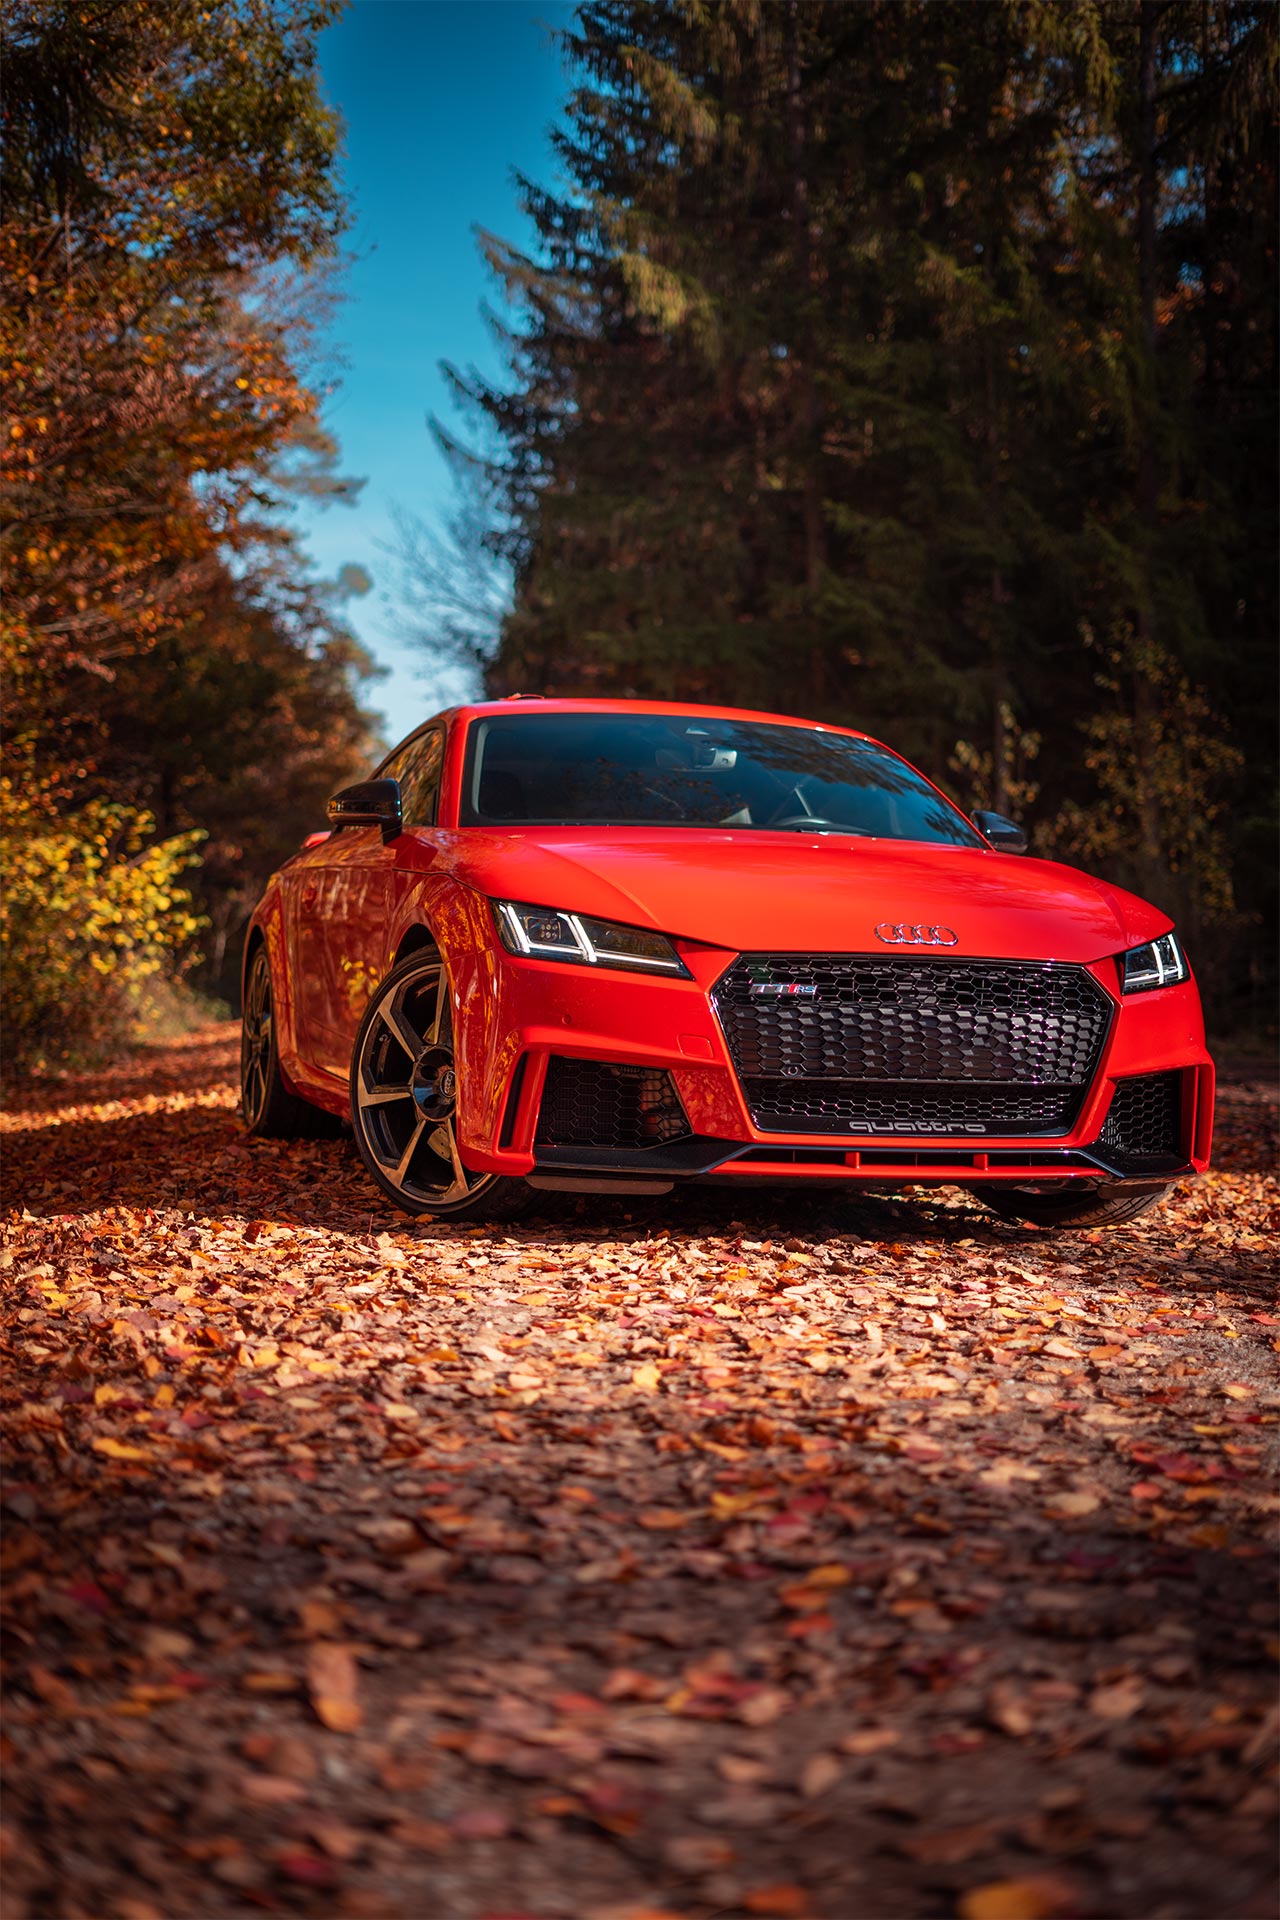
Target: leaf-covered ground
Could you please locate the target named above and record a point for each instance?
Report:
(744, 1556)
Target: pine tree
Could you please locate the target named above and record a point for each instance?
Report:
(879, 357)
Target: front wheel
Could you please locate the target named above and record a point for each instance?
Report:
(1069, 1210)
(404, 1092)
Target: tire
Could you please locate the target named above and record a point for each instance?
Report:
(1071, 1210)
(271, 1111)
(404, 1098)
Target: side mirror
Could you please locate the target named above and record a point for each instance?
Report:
(370, 803)
(1006, 836)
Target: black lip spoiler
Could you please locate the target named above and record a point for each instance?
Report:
(695, 1158)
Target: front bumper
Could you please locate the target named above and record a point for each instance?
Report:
(517, 1015)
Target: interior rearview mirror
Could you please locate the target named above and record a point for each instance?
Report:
(1006, 836)
(370, 803)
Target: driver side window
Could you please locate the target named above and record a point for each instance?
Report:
(417, 767)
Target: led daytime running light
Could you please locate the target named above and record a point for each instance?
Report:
(1158, 963)
(591, 942)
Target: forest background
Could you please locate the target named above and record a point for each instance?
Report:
(907, 364)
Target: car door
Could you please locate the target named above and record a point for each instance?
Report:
(358, 896)
(301, 885)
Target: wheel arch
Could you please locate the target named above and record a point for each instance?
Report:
(415, 939)
(253, 939)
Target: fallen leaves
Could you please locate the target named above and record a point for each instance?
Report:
(1074, 1505)
(333, 1680)
(119, 1450)
(1119, 1701)
(671, 1549)
(1035, 1898)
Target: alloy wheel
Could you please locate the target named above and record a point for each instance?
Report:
(405, 1089)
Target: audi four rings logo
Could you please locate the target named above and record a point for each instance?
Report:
(898, 933)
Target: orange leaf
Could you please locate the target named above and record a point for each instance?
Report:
(663, 1519)
(333, 1679)
(1036, 1898)
(869, 1740)
(1074, 1505)
(786, 1900)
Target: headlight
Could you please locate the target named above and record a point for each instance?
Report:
(544, 933)
(1161, 963)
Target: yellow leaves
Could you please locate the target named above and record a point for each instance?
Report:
(83, 897)
(120, 1450)
(647, 1378)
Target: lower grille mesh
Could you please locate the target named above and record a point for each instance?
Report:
(846, 1043)
(589, 1103)
(820, 1106)
(1143, 1119)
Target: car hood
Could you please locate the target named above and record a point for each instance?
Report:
(759, 891)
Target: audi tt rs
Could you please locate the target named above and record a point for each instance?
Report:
(613, 947)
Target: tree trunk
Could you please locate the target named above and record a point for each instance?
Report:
(1144, 719)
(808, 411)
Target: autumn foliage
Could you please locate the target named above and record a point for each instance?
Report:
(912, 364)
(170, 198)
(93, 909)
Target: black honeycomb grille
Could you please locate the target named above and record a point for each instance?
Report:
(838, 1043)
(817, 1106)
(1143, 1120)
(590, 1103)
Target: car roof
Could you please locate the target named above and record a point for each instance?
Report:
(539, 703)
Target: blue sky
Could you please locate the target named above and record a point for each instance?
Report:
(443, 100)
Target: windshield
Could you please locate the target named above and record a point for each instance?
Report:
(677, 770)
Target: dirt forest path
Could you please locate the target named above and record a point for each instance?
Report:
(733, 1557)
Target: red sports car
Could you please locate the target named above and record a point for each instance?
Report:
(611, 946)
